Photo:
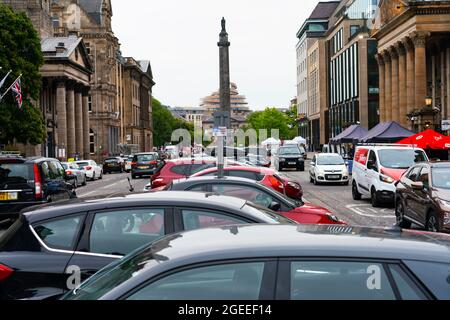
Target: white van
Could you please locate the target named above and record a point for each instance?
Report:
(377, 167)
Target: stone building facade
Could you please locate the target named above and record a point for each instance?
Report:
(414, 62)
(137, 84)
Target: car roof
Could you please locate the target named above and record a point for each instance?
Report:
(440, 164)
(209, 179)
(328, 155)
(182, 198)
(389, 146)
(242, 168)
(252, 241)
(199, 160)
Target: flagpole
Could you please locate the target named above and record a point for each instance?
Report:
(4, 94)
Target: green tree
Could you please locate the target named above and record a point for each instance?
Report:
(164, 124)
(292, 117)
(271, 119)
(20, 51)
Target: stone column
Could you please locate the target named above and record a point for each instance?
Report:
(410, 77)
(394, 86)
(402, 87)
(79, 129)
(443, 81)
(387, 84)
(381, 68)
(61, 119)
(448, 83)
(86, 124)
(71, 141)
(420, 69)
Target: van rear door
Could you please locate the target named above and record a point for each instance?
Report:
(16, 181)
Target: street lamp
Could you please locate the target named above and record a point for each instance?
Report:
(428, 101)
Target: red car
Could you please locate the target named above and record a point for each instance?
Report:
(265, 176)
(179, 169)
(259, 194)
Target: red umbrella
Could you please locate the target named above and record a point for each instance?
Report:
(428, 139)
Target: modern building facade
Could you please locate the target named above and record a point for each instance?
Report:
(414, 62)
(352, 71)
(315, 93)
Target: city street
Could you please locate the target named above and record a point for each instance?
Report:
(337, 198)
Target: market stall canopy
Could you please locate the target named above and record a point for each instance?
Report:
(300, 140)
(387, 132)
(271, 141)
(351, 134)
(428, 139)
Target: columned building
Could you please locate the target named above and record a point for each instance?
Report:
(414, 62)
(353, 70)
(64, 97)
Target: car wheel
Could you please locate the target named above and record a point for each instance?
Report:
(400, 215)
(355, 193)
(84, 181)
(433, 224)
(311, 180)
(374, 199)
(346, 183)
(101, 176)
(75, 183)
(316, 182)
(133, 176)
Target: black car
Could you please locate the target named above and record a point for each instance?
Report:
(111, 165)
(290, 156)
(26, 182)
(145, 164)
(37, 250)
(262, 262)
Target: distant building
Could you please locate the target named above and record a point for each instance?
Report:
(239, 105)
(193, 115)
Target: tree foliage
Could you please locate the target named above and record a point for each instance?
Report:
(164, 124)
(271, 119)
(20, 51)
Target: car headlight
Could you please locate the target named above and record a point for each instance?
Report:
(386, 179)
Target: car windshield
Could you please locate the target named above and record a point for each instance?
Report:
(83, 164)
(401, 158)
(15, 173)
(441, 177)
(289, 150)
(65, 166)
(146, 157)
(111, 160)
(330, 161)
(114, 275)
(272, 215)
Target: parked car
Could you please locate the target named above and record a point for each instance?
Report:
(181, 168)
(145, 164)
(128, 162)
(31, 181)
(328, 168)
(258, 193)
(93, 233)
(262, 262)
(73, 170)
(289, 156)
(259, 161)
(92, 169)
(267, 177)
(423, 197)
(376, 168)
(113, 164)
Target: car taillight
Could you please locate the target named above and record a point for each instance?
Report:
(275, 182)
(88, 168)
(5, 272)
(154, 163)
(133, 164)
(37, 182)
(69, 173)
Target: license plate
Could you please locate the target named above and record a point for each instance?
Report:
(334, 177)
(110, 165)
(143, 168)
(8, 196)
(292, 163)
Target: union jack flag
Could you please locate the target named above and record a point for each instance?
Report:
(17, 93)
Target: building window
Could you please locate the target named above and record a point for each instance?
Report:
(55, 20)
(354, 30)
(90, 103)
(91, 141)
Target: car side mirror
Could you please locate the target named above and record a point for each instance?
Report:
(275, 206)
(418, 185)
(313, 164)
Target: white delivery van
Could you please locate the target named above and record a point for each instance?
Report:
(377, 167)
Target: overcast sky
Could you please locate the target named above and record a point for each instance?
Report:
(180, 38)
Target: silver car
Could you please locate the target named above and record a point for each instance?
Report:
(73, 169)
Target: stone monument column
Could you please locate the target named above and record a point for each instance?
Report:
(381, 69)
(394, 85)
(402, 88)
(420, 69)
(410, 77)
(387, 84)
